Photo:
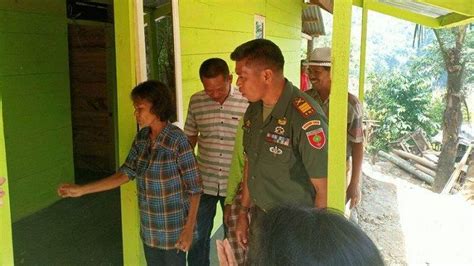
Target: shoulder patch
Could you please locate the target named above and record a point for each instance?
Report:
(311, 123)
(303, 107)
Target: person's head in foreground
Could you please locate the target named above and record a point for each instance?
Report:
(307, 236)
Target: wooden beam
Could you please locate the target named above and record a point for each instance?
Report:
(341, 40)
(324, 4)
(457, 171)
(462, 7)
(125, 47)
(363, 46)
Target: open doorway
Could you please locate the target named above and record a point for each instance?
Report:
(84, 230)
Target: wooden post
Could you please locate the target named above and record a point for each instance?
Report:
(6, 240)
(125, 45)
(341, 40)
(454, 176)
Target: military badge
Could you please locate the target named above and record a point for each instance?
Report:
(316, 138)
(303, 107)
(276, 151)
(279, 130)
(311, 123)
(282, 121)
(247, 123)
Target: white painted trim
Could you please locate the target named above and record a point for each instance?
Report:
(306, 36)
(177, 64)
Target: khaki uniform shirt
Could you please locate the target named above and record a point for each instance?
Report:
(354, 118)
(285, 150)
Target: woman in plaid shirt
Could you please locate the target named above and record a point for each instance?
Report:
(168, 182)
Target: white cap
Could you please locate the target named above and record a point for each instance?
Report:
(320, 57)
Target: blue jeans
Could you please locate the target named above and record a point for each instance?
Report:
(157, 256)
(199, 253)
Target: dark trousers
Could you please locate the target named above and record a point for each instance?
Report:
(158, 257)
(199, 252)
(255, 236)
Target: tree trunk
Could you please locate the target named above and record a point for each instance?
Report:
(452, 117)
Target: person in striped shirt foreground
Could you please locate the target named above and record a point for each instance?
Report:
(168, 181)
(211, 123)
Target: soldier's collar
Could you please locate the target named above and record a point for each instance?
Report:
(279, 110)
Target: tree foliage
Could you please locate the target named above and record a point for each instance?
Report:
(401, 102)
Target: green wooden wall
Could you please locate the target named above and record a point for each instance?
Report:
(34, 83)
(214, 28)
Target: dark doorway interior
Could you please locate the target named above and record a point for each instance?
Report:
(91, 66)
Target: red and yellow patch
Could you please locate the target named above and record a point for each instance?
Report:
(316, 138)
(303, 107)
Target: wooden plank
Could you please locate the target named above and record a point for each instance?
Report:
(457, 171)
(50, 7)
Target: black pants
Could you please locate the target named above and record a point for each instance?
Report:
(255, 235)
(158, 257)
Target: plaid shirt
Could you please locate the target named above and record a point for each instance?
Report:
(166, 174)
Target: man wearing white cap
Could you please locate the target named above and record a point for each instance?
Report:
(319, 69)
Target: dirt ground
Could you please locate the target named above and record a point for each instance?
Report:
(412, 225)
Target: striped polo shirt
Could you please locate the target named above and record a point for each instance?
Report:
(216, 126)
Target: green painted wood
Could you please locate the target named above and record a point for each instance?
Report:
(31, 23)
(227, 24)
(341, 39)
(463, 7)
(6, 244)
(49, 54)
(125, 47)
(34, 79)
(49, 7)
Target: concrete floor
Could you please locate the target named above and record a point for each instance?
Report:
(80, 231)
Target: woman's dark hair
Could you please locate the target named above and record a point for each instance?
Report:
(158, 95)
(306, 236)
(262, 52)
(213, 67)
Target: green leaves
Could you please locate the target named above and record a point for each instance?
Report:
(401, 102)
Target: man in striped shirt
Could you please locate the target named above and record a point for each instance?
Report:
(213, 115)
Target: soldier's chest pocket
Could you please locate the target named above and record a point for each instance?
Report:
(276, 153)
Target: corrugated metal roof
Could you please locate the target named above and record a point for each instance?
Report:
(312, 21)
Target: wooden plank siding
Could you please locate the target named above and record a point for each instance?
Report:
(93, 129)
(215, 28)
(36, 106)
